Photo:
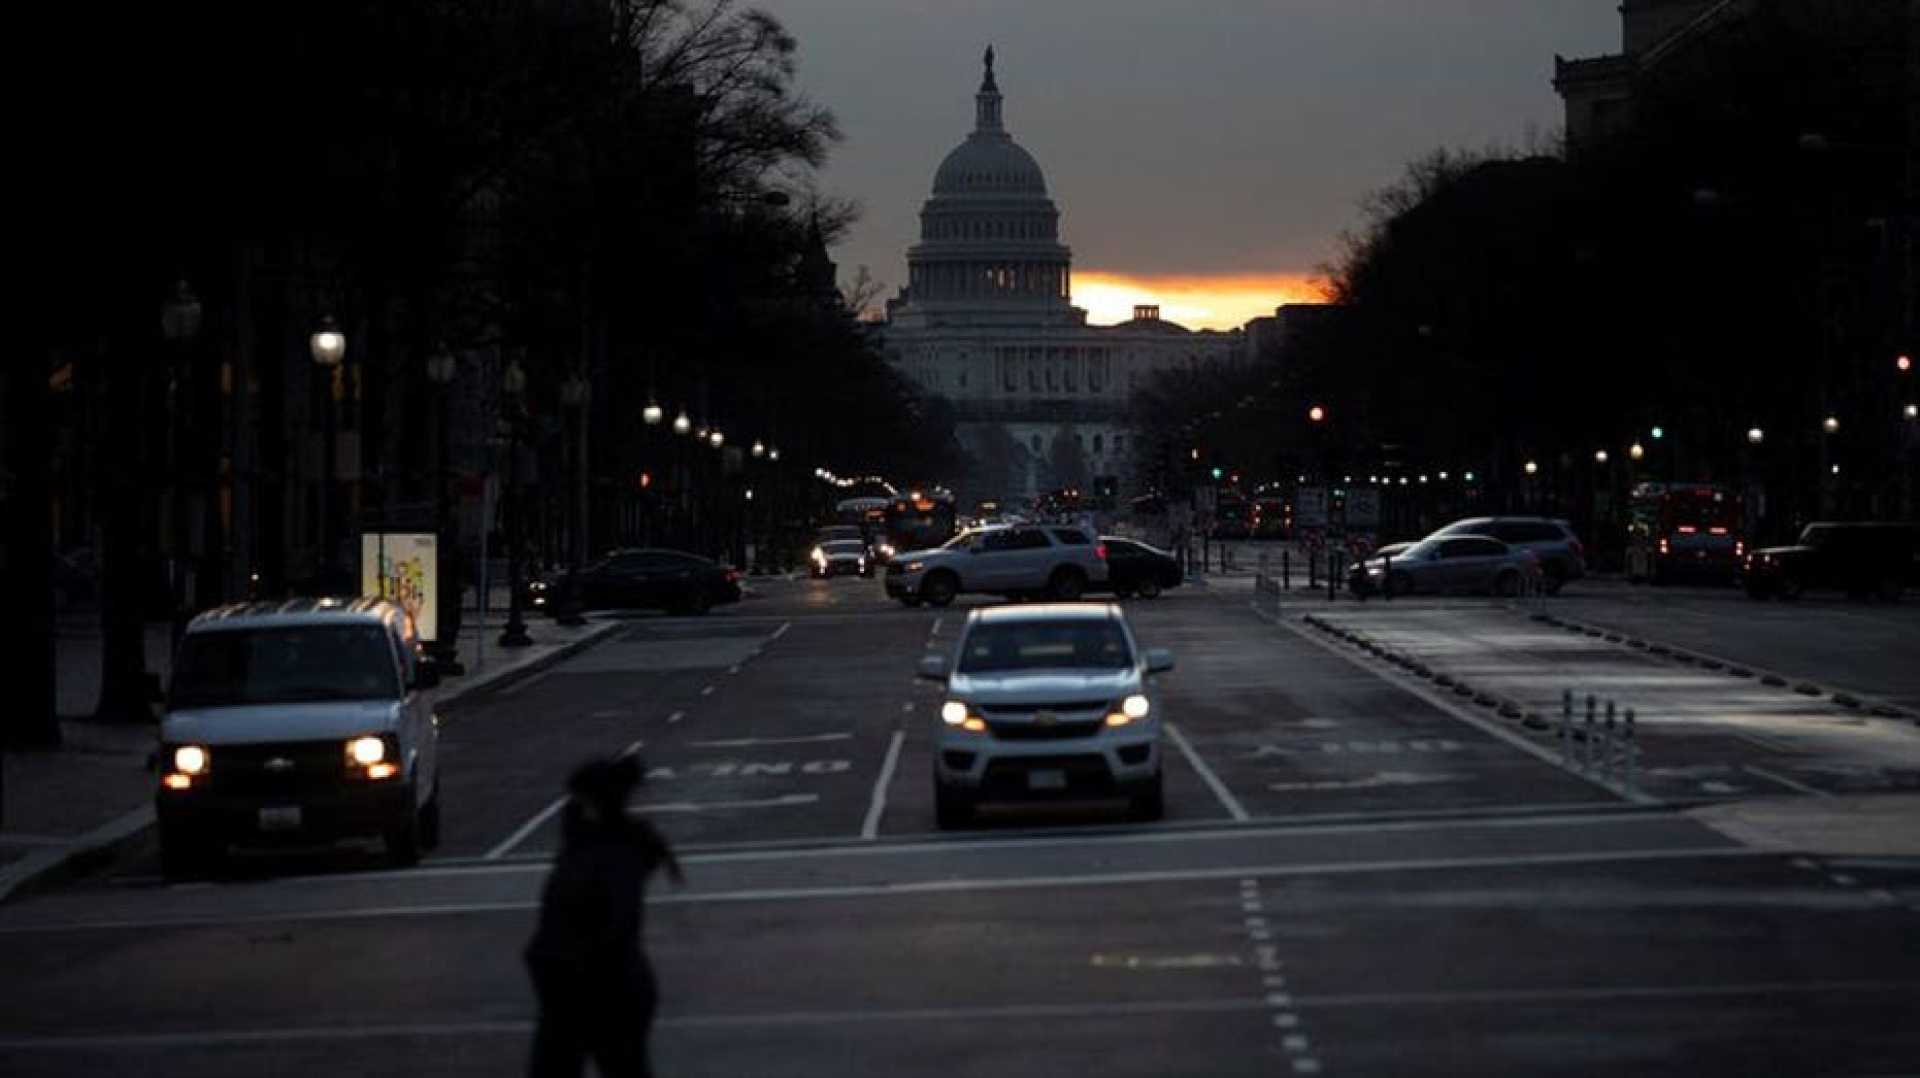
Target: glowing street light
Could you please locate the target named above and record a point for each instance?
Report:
(1755, 435)
(1317, 414)
(1599, 456)
(1903, 363)
(681, 424)
(652, 414)
(1637, 451)
(759, 448)
(1533, 468)
(1913, 411)
(1830, 424)
(1658, 433)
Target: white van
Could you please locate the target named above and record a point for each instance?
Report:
(301, 720)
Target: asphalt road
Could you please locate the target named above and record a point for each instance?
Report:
(1355, 876)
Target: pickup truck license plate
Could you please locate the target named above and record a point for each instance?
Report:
(280, 818)
(1046, 780)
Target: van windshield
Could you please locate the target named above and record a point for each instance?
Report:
(297, 664)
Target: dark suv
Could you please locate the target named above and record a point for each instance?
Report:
(1857, 558)
(1562, 558)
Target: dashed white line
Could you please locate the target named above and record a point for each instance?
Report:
(1843, 879)
(1785, 781)
(935, 631)
(707, 691)
(870, 827)
(676, 716)
(1212, 780)
(780, 632)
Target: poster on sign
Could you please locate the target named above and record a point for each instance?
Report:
(404, 567)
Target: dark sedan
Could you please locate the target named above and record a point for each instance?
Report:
(1134, 568)
(669, 580)
(1858, 558)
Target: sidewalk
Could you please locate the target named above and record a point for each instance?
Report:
(76, 806)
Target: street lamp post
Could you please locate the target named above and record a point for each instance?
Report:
(329, 347)
(442, 368)
(512, 385)
(574, 394)
(179, 324)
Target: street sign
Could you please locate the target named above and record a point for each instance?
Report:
(1310, 507)
(1363, 508)
(404, 567)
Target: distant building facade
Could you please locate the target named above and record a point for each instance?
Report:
(1598, 91)
(987, 321)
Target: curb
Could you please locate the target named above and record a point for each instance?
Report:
(110, 840)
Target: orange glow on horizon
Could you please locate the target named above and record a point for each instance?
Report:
(1196, 301)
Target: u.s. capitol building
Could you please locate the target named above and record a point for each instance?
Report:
(987, 320)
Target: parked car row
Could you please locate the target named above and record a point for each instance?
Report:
(1482, 555)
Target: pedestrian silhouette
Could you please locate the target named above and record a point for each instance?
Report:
(590, 972)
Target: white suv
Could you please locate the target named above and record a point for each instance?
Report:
(300, 720)
(1055, 560)
(1043, 702)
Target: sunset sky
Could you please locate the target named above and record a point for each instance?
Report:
(1204, 156)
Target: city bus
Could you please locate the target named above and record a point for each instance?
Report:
(917, 521)
(1676, 530)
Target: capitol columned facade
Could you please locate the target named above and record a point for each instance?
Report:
(987, 321)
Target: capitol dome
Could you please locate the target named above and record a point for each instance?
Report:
(989, 235)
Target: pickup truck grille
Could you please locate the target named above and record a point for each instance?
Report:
(1032, 731)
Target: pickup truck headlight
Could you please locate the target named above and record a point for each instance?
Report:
(1133, 707)
(954, 713)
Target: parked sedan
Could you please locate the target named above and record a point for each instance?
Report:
(1445, 564)
(669, 580)
(1134, 568)
(1562, 556)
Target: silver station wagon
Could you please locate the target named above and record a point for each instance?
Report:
(1047, 701)
(300, 721)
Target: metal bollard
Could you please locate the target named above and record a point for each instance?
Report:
(1286, 570)
(1566, 728)
(1587, 755)
(1633, 754)
(1333, 575)
(1386, 577)
(1607, 759)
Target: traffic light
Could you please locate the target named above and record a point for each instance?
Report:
(1217, 473)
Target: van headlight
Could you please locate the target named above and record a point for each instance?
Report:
(190, 760)
(366, 751)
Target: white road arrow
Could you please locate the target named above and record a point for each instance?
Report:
(1383, 778)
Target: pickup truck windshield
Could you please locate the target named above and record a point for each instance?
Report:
(299, 664)
(1082, 643)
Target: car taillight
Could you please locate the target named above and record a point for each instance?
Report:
(1716, 530)
(733, 576)
(1686, 529)
(1100, 551)
(1663, 545)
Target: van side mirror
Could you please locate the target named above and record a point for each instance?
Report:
(932, 668)
(1159, 660)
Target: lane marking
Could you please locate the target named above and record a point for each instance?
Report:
(708, 806)
(742, 742)
(935, 631)
(1003, 1012)
(525, 829)
(811, 849)
(780, 632)
(731, 670)
(524, 682)
(517, 1028)
(676, 716)
(1764, 742)
(1212, 780)
(708, 691)
(1785, 781)
(1421, 692)
(921, 888)
(870, 828)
